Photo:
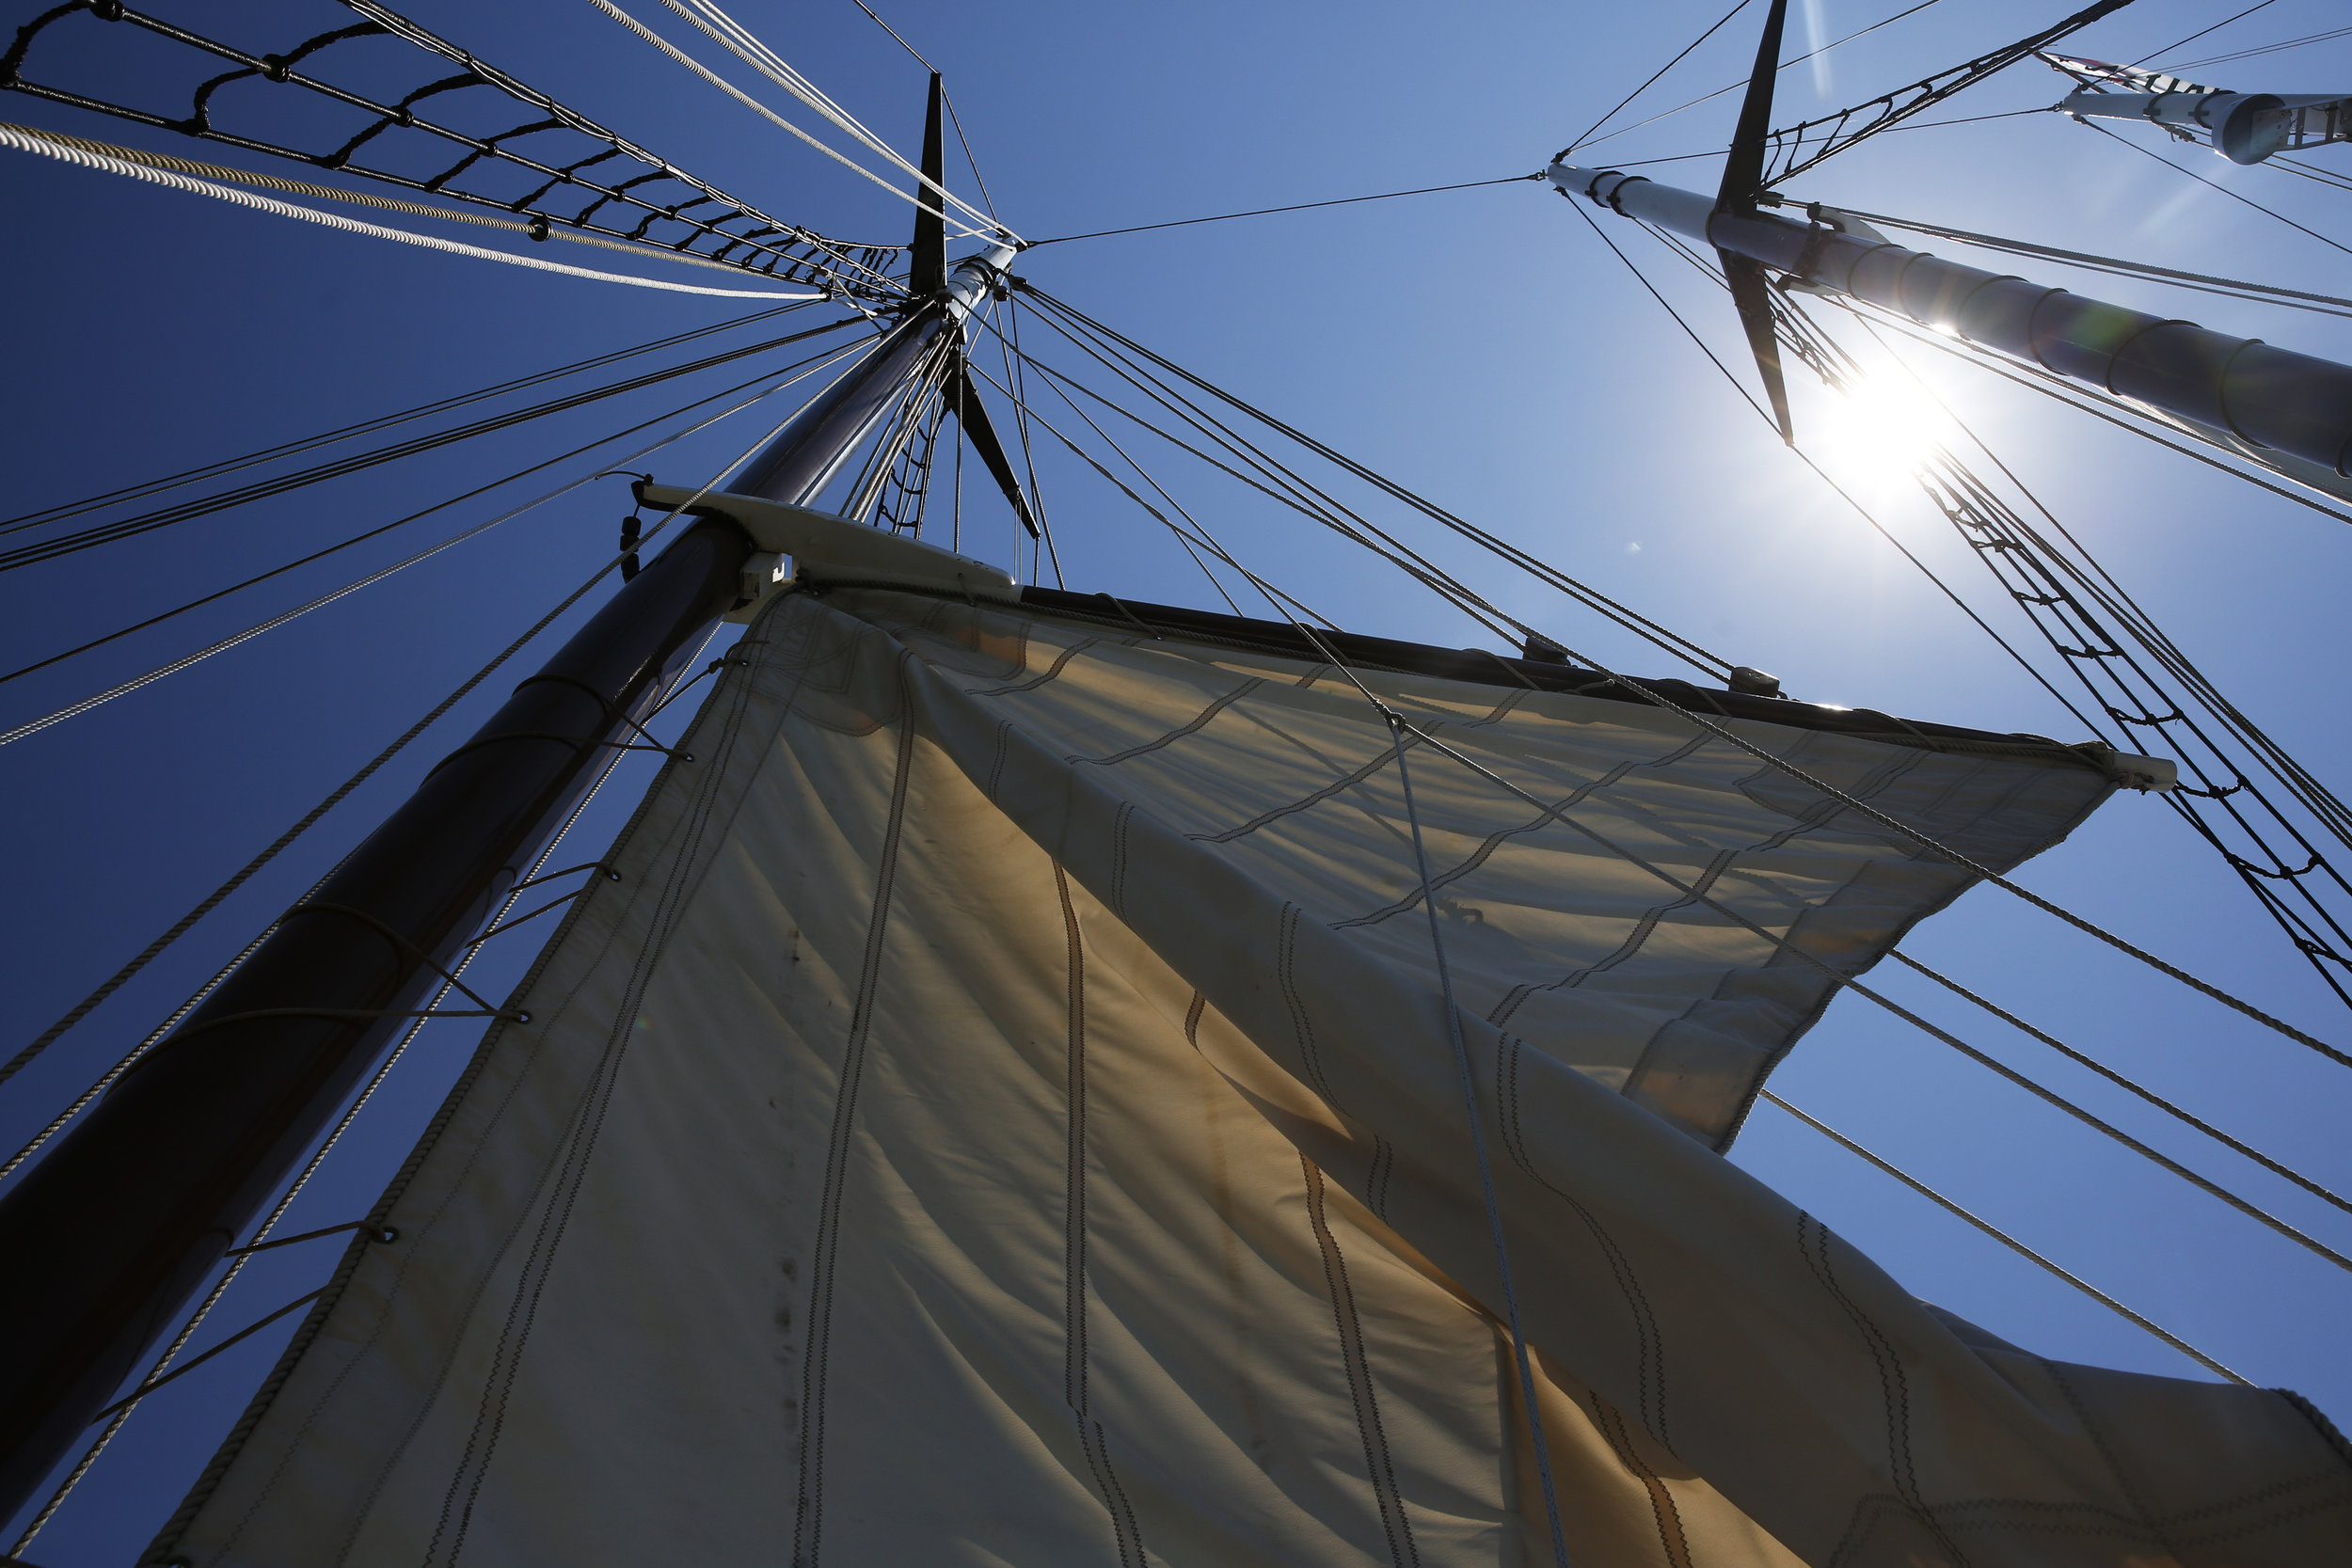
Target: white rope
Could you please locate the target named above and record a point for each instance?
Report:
(25, 141)
(738, 40)
(364, 198)
(746, 100)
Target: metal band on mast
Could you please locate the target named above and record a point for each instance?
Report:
(111, 1233)
(2290, 411)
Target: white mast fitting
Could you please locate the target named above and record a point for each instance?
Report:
(2243, 127)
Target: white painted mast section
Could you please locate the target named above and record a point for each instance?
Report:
(2290, 412)
(2243, 127)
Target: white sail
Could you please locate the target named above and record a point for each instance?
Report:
(1005, 1114)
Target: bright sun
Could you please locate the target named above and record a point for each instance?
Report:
(1884, 425)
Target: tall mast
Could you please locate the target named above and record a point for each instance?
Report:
(110, 1235)
(2244, 391)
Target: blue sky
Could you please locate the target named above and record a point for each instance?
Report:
(1480, 346)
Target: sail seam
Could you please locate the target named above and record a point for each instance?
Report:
(1075, 1367)
(808, 1521)
(1813, 1246)
(1670, 1540)
(1650, 1347)
(1197, 723)
(1348, 780)
(1496, 840)
(539, 1263)
(1379, 1467)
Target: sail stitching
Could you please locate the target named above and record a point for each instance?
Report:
(1650, 1352)
(314, 1323)
(808, 1520)
(1496, 840)
(1303, 1031)
(2099, 1441)
(1035, 681)
(1670, 1540)
(522, 1314)
(1348, 780)
(1812, 819)
(1075, 1349)
(1194, 725)
(1813, 1244)
(1380, 1467)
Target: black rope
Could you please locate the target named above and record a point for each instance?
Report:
(386, 528)
(2201, 31)
(1976, 512)
(1347, 524)
(194, 1361)
(2234, 288)
(382, 421)
(1888, 109)
(1863, 513)
(1300, 207)
(129, 528)
(1671, 642)
(1906, 125)
(1734, 86)
(2225, 190)
(334, 797)
(1654, 75)
(2328, 37)
(2006, 1240)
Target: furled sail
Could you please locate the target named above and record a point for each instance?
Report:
(1006, 1114)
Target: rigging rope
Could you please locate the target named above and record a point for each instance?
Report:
(738, 42)
(1839, 978)
(1924, 841)
(1836, 978)
(1475, 1115)
(2260, 294)
(1967, 502)
(1641, 626)
(1352, 528)
(237, 1261)
(2187, 1118)
(2010, 1241)
(382, 421)
(1734, 86)
(1579, 141)
(649, 36)
(23, 142)
(386, 528)
(2192, 38)
(944, 96)
(115, 982)
(802, 256)
(2216, 185)
(87, 704)
(2328, 37)
(364, 198)
(2081, 398)
(1399, 727)
(106, 533)
(1863, 513)
(1299, 207)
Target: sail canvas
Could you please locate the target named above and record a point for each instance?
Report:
(1005, 1112)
